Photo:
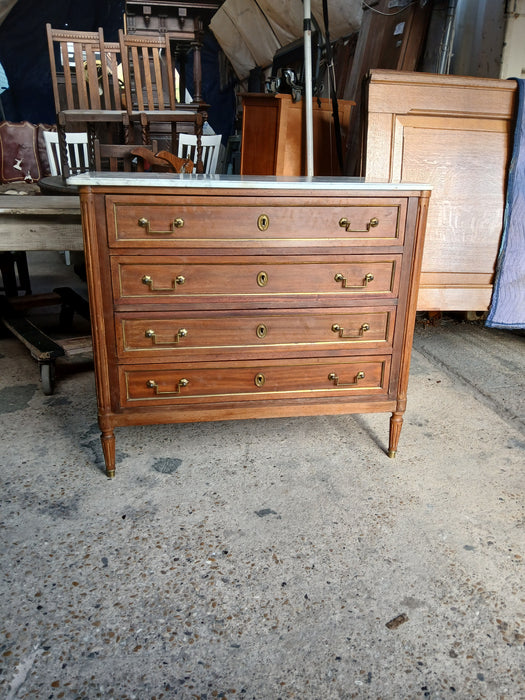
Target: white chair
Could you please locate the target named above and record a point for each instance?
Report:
(77, 156)
(77, 152)
(210, 150)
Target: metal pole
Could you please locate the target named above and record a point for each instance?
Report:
(445, 50)
(308, 94)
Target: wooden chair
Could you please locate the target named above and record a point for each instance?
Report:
(150, 87)
(122, 158)
(129, 158)
(84, 90)
(77, 158)
(77, 152)
(187, 148)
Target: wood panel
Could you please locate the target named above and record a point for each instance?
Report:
(454, 133)
(273, 135)
(35, 222)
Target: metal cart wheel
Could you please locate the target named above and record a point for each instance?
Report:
(47, 377)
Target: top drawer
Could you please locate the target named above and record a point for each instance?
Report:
(249, 222)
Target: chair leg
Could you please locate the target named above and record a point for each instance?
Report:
(62, 149)
(198, 132)
(23, 271)
(92, 134)
(144, 125)
(11, 285)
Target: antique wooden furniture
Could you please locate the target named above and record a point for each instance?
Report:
(273, 135)
(184, 22)
(123, 158)
(149, 86)
(456, 134)
(77, 152)
(86, 93)
(211, 144)
(216, 297)
(35, 222)
(77, 158)
(389, 39)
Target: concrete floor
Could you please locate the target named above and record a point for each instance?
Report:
(285, 558)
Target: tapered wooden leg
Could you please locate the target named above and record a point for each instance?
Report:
(108, 448)
(396, 423)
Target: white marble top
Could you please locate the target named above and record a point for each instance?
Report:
(110, 179)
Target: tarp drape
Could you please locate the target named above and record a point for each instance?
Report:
(251, 31)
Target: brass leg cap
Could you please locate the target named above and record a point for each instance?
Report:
(392, 453)
(110, 473)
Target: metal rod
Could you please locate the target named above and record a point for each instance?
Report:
(308, 93)
(445, 50)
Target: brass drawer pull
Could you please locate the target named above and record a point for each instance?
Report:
(181, 333)
(335, 379)
(259, 379)
(151, 384)
(148, 280)
(338, 329)
(345, 223)
(176, 223)
(366, 279)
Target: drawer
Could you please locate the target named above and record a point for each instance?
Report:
(187, 336)
(245, 222)
(160, 279)
(141, 385)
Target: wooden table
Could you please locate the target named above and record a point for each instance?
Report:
(37, 222)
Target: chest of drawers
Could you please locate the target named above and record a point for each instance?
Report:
(222, 298)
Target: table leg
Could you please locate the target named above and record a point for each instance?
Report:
(108, 447)
(396, 423)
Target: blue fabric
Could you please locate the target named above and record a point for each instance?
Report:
(507, 309)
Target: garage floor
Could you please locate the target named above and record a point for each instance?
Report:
(285, 558)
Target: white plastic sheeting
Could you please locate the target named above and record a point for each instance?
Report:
(251, 31)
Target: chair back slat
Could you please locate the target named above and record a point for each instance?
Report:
(82, 68)
(112, 93)
(147, 72)
(68, 79)
(156, 81)
(136, 61)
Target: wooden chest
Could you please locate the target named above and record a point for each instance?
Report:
(225, 297)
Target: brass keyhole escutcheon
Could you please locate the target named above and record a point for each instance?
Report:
(263, 222)
(259, 379)
(261, 330)
(262, 279)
